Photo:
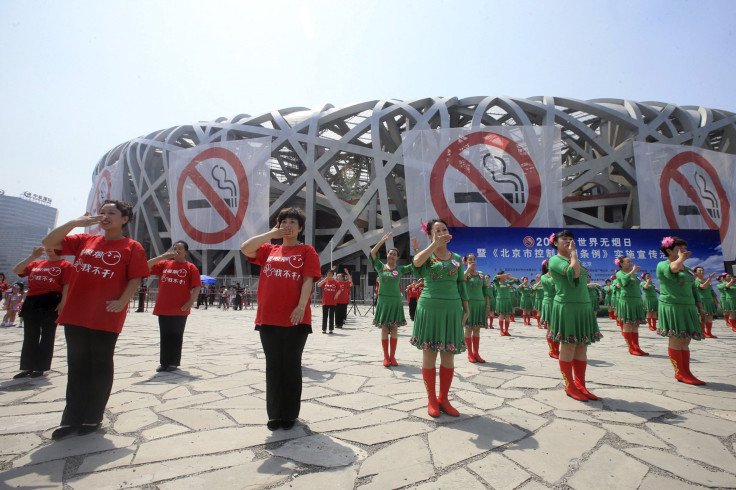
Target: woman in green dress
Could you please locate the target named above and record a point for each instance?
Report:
(608, 291)
(538, 295)
(548, 287)
(678, 313)
(525, 300)
(727, 288)
(442, 311)
(389, 313)
(572, 322)
(478, 305)
(651, 304)
(630, 308)
(490, 293)
(707, 298)
(505, 300)
(615, 296)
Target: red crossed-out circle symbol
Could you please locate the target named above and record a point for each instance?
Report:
(671, 173)
(232, 221)
(528, 241)
(451, 157)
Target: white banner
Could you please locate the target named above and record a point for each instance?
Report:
(219, 193)
(494, 176)
(683, 187)
(108, 185)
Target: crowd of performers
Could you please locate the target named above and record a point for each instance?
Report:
(450, 303)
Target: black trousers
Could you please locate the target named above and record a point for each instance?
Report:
(341, 312)
(237, 302)
(283, 347)
(172, 338)
(90, 373)
(412, 308)
(39, 334)
(328, 311)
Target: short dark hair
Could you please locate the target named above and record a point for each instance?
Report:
(432, 222)
(293, 213)
(122, 206)
(676, 242)
(183, 243)
(560, 234)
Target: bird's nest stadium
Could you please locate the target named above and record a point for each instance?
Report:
(344, 165)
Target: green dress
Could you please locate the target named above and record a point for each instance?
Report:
(476, 287)
(706, 297)
(538, 296)
(439, 316)
(650, 297)
(490, 293)
(505, 296)
(630, 306)
(727, 297)
(390, 304)
(594, 293)
(548, 286)
(678, 315)
(609, 293)
(572, 320)
(525, 301)
(615, 294)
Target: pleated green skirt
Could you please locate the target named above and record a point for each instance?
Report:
(438, 326)
(681, 321)
(631, 310)
(477, 318)
(389, 312)
(573, 323)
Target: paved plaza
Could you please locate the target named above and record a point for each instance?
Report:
(366, 426)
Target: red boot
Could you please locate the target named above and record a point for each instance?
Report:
(392, 352)
(476, 343)
(556, 346)
(490, 322)
(635, 336)
(650, 323)
(654, 323)
(386, 358)
(579, 368)
(688, 376)
(628, 337)
(430, 376)
(552, 352)
(709, 330)
(446, 375)
(676, 360)
(469, 343)
(570, 388)
(506, 323)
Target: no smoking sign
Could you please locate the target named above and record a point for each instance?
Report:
(212, 193)
(691, 189)
(504, 178)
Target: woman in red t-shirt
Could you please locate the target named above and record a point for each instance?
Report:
(178, 288)
(108, 270)
(48, 283)
(330, 293)
(345, 281)
(283, 317)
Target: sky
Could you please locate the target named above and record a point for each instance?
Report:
(80, 77)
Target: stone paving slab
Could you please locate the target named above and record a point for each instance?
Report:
(204, 425)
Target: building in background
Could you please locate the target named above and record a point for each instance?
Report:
(345, 167)
(24, 221)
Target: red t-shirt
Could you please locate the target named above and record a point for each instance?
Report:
(344, 297)
(280, 282)
(45, 276)
(329, 289)
(175, 284)
(102, 271)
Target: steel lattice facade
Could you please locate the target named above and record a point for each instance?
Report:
(344, 165)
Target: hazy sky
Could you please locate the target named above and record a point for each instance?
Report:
(80, 77)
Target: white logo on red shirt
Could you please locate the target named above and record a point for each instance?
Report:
(55, 271)
(112, 257)
(296, 261)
